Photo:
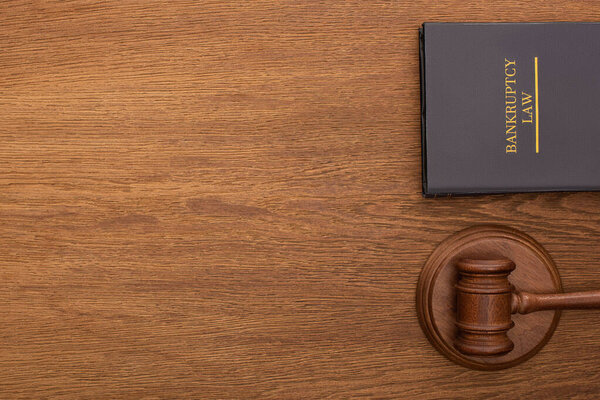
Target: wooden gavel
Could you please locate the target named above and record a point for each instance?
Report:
(485, 300)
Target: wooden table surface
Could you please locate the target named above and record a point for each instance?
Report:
(217, 199)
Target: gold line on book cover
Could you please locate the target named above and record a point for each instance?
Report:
(537, 110)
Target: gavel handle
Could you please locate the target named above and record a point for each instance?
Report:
(525, 303)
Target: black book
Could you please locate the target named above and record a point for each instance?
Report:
(510, 107)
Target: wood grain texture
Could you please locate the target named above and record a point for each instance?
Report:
(222, 200)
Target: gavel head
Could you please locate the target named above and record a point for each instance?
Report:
(483, 307)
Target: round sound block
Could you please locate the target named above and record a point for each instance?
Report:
(535, 272)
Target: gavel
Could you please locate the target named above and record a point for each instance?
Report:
(485, 301)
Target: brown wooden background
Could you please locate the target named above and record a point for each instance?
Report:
(222, 199)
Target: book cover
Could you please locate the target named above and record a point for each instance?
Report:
(510, 107)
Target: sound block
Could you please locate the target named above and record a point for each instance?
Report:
(535, 272)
